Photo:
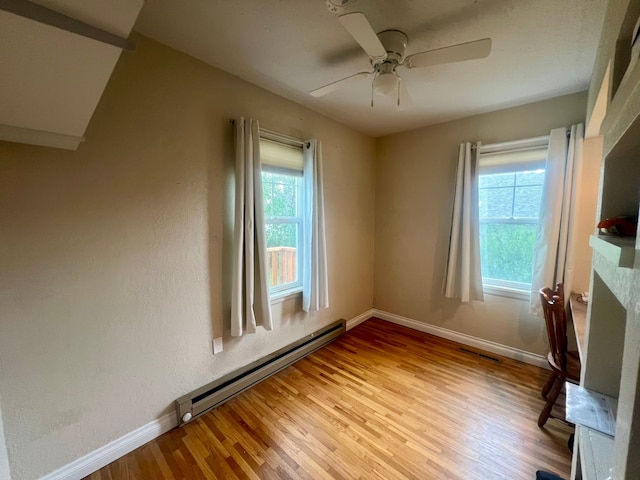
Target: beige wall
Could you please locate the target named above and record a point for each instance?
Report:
(414, 196)
(586, 212)
(114, 258)
(5, 473)
(114, 267)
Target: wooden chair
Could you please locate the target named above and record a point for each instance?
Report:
(564, 365)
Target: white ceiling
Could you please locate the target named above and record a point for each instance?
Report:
(541, 49)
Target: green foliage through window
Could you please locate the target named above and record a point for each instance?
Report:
(506, 251)
(509, 208)
(283, 226)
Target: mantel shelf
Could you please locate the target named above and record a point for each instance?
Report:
(620, 251)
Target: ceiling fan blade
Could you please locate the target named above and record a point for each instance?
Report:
(404, 99)
(454, 53)
(361, 30)
(318, 92)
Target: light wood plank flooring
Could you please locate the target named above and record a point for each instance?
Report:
(382, 402)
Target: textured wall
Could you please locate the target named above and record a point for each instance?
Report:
(414, 197)
(114, 259)
(615, 15)
(4, 459)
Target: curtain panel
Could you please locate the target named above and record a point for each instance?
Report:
(315, 288)
(250, 304)
(553, 257)
(463, 277)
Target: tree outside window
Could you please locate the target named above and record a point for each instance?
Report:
(509, 209)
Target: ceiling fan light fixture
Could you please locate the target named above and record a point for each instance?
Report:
(385, 83)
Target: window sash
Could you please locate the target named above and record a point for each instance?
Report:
(511, 220)
(281, 220)
(296, 286)
(504, 288)
(291, 287)
(281, 171)
(492, 166)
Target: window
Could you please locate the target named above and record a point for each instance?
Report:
(510, 190)
(282, 184)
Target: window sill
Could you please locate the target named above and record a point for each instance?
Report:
(285, 295)
(501, 291)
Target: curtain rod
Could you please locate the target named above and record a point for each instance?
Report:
(516, 143)
(271, 135)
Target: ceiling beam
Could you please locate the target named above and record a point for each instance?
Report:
(50, 17)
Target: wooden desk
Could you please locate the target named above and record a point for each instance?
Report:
(579, 319)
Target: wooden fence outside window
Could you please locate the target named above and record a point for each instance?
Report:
(282, 265)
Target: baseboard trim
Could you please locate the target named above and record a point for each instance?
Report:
(363, 317)
(97, 459)
(112, 451)
(489, 346)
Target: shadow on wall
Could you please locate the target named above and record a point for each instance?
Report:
(438, 303)
(228, 201)
(220, 215)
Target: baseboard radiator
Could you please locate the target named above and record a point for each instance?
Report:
(210, 396)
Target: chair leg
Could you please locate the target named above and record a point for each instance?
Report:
(551, 400)
(549, 384)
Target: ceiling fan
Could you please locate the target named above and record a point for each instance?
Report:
(386, 52)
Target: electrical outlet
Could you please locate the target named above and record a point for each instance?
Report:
(217, 345)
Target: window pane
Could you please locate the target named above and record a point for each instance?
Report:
(282, 239)
(280, 195)
(535, 177)
(506, 251)
(496, 180)
(527, 202)
(496, 202)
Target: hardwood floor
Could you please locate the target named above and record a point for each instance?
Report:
(383, 402)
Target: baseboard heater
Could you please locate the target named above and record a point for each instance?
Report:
(210, 396)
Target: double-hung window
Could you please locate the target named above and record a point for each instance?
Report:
(282, 184)
(510, 188)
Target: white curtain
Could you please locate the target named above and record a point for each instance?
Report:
(315, 289)
(463, 277)
(553, 256)
(250, 305)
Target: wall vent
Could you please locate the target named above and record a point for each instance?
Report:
(210, 396)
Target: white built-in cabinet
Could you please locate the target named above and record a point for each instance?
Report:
(611, 357)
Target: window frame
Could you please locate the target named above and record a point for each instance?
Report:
(496, 286)
(279, 293)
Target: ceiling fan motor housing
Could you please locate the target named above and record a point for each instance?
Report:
(395, 43)
(337, 6)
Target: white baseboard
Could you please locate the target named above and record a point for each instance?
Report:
(354, 322)
(97, 459)
(487, 345)
(112, 451)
